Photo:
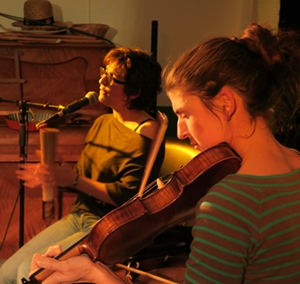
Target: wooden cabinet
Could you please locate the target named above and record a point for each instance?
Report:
(54, 73)
(49, 73)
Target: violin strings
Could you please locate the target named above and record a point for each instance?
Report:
(151, 186)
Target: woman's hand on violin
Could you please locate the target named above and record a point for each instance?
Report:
(51, 252)
(74, 269)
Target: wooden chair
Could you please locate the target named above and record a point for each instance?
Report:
(177, 154)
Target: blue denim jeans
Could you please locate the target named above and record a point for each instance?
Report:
(65, 232)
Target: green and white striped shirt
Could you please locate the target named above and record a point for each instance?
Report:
(247, 230)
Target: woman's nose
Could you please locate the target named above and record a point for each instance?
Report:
(181, 130)
(103, 80)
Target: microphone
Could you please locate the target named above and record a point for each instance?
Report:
(89, 99)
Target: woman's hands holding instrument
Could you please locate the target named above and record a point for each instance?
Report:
(35, 174)
(76, 269)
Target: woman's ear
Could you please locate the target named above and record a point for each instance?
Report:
(227, 102)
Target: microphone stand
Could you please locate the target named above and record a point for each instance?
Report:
(22, 159)
(23, 108)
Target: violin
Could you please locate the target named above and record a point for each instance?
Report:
(134, 225)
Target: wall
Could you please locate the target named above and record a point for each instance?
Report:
(181, 24)
(268, 12)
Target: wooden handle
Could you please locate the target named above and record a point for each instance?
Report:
(48, 141)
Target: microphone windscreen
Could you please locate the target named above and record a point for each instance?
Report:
(93, 97)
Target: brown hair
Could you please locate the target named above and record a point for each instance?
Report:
(260, 65)
(141, 72)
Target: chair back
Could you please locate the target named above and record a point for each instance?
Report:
(177, 154)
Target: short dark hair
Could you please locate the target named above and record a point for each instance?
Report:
(141, 72)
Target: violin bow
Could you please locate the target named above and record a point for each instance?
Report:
(141, 272)
(163, 125)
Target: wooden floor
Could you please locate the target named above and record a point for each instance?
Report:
(70, 143)
(10, 211)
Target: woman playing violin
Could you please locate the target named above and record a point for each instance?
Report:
(112, 163)
(247, 226)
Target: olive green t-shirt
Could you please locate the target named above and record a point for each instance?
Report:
(115, 155)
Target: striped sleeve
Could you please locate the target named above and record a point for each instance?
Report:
(244, 230)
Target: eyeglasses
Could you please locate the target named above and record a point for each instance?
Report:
(110, 79)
